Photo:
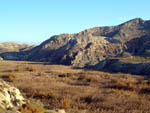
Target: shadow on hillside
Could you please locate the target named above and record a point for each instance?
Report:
(116, 66)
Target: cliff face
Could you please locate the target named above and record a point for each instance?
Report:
(93, 45)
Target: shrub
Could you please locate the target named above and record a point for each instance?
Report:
(66, 104)
(117, 91)
(30, 108)
(82, 76)
(9, 78)
(92, 79)
(44, 95)
(50, 94)
(66, 75)
(131, 86)
(39, 74)
(62, 75)
(69, 74)
(145, 90)
(24, 68)
(19, 68)
(120, 84)
(29, 68)
(93, 99)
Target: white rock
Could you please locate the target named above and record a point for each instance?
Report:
(10, 96)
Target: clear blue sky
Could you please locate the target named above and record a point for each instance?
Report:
(34, 21)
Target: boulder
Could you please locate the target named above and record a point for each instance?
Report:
(10, 97)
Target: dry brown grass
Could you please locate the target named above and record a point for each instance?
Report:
(31, 108)
(43, 95)
(66, 103)
(82, 76)
(125, 85)
(66, 75)
(20, 68)
(77, 90)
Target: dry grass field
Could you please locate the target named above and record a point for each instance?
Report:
(78, 90)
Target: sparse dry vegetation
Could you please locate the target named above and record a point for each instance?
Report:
(31, 108)
(9, 78)
(133, 59)
(44, 95)
(77, 90)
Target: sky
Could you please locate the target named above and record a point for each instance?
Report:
(34, 21)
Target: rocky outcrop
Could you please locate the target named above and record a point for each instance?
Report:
(10, 97)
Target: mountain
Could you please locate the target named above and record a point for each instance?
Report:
(12, 47)
(91, 46)
(13, 51)
(87, 48)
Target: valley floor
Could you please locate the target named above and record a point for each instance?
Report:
(78, 90)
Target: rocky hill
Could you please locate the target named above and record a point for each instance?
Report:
(14, 51)
(91, 46)
(87, 48)
(12, 47)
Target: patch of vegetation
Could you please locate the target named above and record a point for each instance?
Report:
(120, 84)
(92, 79)
(44, 95)
(82, 76)
(66, 75)
(31, 108)
(39, 74)
(135, 59)
(29, 68)
(9, 77)
(24, 68)
(91, 99)
(66, 104)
